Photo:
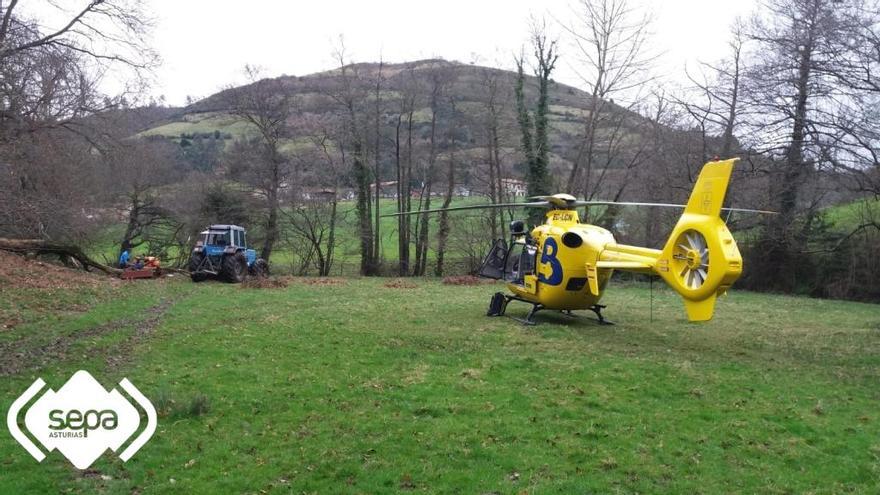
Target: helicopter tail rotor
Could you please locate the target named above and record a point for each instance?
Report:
(701, 260)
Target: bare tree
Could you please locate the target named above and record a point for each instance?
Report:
(315, 214)
(804, 46)
(490, 128)
(264, 105)
(451, 163)
(440, 76)
(350, 94)
(49, 81)
(718, 89)
(850, 143)
(377, 160)
(403, 165)
(121, 26)
(716, 105)
(140, 168)
(610, 38)
(47, 180)
(314, 221)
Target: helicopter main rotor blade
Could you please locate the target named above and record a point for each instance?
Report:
(535, 204)
(664, 205)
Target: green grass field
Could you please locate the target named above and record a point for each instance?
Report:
(355, 387)
(847, 216)
(202, 123)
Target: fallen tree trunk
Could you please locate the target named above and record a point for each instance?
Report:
(33, 247)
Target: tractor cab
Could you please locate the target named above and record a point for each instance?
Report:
(218, 239)
(512, 262)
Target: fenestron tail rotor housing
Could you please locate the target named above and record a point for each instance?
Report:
(691, 259)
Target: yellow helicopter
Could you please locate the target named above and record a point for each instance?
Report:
(565, 265)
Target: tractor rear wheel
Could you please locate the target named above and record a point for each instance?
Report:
(259, 269)
(234, 268)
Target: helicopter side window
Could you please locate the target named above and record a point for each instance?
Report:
(528, 259)
(514, 257)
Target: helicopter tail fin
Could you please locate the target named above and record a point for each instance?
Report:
(701, 260)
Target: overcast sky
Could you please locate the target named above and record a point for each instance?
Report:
(205, 44)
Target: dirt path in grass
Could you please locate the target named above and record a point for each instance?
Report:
(32, 353)
(121, 353)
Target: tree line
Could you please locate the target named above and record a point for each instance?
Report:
(322, 157)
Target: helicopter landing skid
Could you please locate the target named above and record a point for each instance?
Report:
(595, 309)
(498, 306)
(499, 301)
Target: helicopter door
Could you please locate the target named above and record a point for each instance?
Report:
(520, 262)
(493, 264)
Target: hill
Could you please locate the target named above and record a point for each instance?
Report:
(471, 87)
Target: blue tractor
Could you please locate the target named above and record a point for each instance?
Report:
(222, 253)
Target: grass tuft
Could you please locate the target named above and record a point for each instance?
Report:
(199, 405)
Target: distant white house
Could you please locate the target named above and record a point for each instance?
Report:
(463, 191)
(314, 194)
(387, 189)
(513, 187)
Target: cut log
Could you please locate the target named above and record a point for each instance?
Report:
(29, 247)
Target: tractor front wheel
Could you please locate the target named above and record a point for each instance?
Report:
(234, 268)
(195, 262)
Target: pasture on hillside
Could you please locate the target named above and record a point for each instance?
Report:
(378, 386)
